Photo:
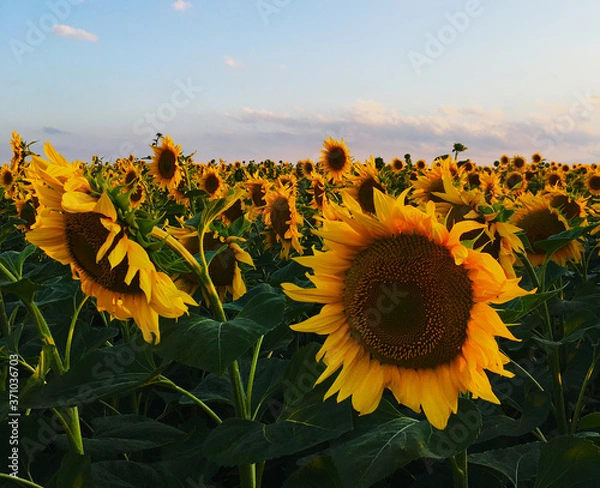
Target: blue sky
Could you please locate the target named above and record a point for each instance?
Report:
(256, 79)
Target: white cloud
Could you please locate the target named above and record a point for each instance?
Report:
(231, 62)
(68, 31)
(181, 5)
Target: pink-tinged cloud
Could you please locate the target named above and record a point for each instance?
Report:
(181, 5)
(231, 62)
(68, 31)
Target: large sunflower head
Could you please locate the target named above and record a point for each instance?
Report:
(406, 307)
(79, 226)
(592, 182)
(335, 159)
(165, 163)
(539, 220)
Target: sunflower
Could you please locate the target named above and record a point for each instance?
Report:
(335, 159)
(592, 183)
(212, 183)
(536, 158)
(281, 216)
(515, 182)
(7, 177)
(406, 308)
(519, 163)
(432, 182)
(364, 184)
(539, 220)
(308, 167)
(165, 163)
(16, 145)
(223, 268)
(318, 192)
(397, 165)
(83, 231)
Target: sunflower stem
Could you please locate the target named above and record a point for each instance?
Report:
(164, 381)
(19, 481)
(580, 398)
(4, 327)
(560, 411)
(459, 469)
(247, 471)
(72, 331)
(252, 374)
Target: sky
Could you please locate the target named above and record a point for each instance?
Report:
(258, 79)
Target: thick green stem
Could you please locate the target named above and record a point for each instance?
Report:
(247, 471)
(460, 469)
(560, 411)
(252, 375)
(4, 327)
(72, 332)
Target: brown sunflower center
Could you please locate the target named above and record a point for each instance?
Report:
(568, 207)
(167, 164)
(319, 194)
(7, 178)
(336, 159)
(594, 183)
(212, 183)
(130, 176)
(85, 234)
(407, 301)
(280, 216)
(473, 179)
(397, 164)
(222, 266)
(257, 194)
(539, 226)
(514, 180)
(365, 194)
(554, 179)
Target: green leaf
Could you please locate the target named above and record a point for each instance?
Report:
(128, 433)
(370, 457)
(74, 471)
(317, 473)
(534, 412)
(24, 288)
(305, 425)
(523, 305)
(517, 463)
(589, 422)
(14, 260)
(568, 462)
(129, 474)
(102, 372)
(554, 243)
(213, 346)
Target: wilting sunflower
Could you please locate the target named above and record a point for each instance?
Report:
(16, 145)
(165, 163)
(406, 308)
(212, 183)
(281, 216)
(335, 159)
(539, 221)
(317, 188)
(83, 231)
(223, 268)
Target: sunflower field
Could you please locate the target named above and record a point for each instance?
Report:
(336, 323)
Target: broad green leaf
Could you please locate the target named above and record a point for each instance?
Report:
(102, 372)
(304, 425)
(24, 288)
(368, 458)
(589, 422)
(568, 462)
(317, 473)
(128, 433)
(212, 388)
(523, 305)
(534, 412)
(556, 242)
(517, 463)
(213, 346)
(14, 260)
(129, 474)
